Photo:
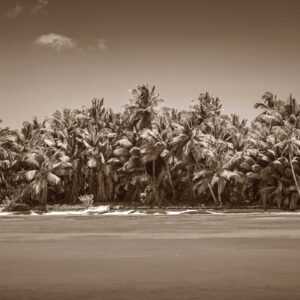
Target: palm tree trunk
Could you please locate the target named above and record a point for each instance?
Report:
(293, 201)
(76, 183)
(154, 185)
(109, 184)
(212, 193)
(93, 184)
(74, 193)
(220, 196)
(44, 195)
(170, 180)
(294, 174)
(101, 190)
(264, 201)
(192, 191)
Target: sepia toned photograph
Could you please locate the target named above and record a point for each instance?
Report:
(149, 149)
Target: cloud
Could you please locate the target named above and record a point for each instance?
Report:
(40, 6)
(61, 42)
(14, 12)
(102, 44)
(55, 41)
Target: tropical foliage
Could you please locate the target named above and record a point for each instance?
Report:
(147, 155)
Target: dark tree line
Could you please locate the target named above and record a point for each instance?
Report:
(152, 156)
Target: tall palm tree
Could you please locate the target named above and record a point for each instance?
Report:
(141, 110)
(156, 156)
(216, 169)
(66, 127)
(9, 151)
(205, 107)
(98, 151)
(184, 147)
(289, 145)
(42, 171)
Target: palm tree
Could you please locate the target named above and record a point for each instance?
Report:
(42, 171)
(205, 107)
(276, 135)
(155, 156)
(289, 145)
(97, 152)
(173, 155)
(216, 169)
(141, 110)
(184, 147)
(9, 151)
(65, 132)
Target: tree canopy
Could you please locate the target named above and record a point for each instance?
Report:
(152, 156)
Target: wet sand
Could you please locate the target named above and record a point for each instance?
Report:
(150, 257)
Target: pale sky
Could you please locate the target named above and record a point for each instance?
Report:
(62, 53)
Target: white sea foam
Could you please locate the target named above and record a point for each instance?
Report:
(105, 210)
(98, 209)
(138, 213)
(89, 211)
(286, 213)
(179, 212)
(32, 213)
(4, 213)
(66, 213)
(119, 213)
(211, 212)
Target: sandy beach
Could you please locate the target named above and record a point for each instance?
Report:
(150, 257)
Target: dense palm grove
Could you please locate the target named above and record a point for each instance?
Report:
(155, 157)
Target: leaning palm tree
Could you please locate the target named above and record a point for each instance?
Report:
(65, 132)
(260, 158)
(205, 107)
(156, 158)
(272, 110)
(9, 155)
(42, 169)
(289, 145)
(97, 154)
(141, 110)
(275, 134)
(184, 147)
(216, 169)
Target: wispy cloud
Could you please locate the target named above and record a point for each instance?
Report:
(55, 41)
(61, 42)
(102, 44)
(40, 7)
(14, 12)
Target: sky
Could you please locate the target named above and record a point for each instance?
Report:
(62, 53)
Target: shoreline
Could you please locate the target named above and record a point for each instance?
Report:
(107, 210)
